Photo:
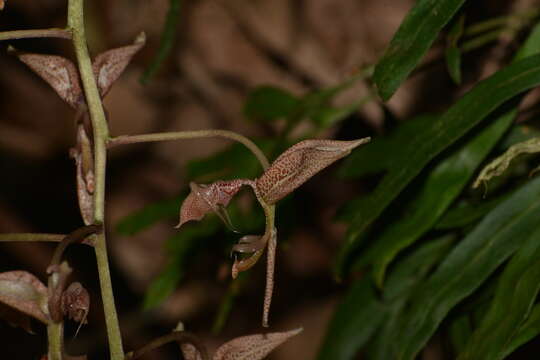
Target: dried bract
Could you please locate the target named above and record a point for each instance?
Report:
(25, 293)
(109, 65)
(299, 163)
(58, 72)
(253, 347)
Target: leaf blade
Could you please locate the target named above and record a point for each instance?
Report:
(470, 110)
(412, 40)
(496, 238)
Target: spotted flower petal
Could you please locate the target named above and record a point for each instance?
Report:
(299, 163)
(210, 198)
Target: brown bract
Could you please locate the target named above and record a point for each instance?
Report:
(62, 75)
(109, 65)
(24, 292)
(251, 347)
(299, 163)
(59, 73)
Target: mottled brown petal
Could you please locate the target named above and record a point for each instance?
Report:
(24, 292)
(59, 72)
(299, 163)
(109, 65)
(76, 302)
(253, 347)
(209, 198)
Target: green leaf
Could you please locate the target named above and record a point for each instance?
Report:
(472, 261)
(410, 43)
(460, 332)
(516, 292)
(402, 283)
(453, 63)
(452, 53)
(443, 184)
(149, 215)
(180, 248)
(354, 322)
(467, 213)
(330, 116)
(361, 311)
(470, 110)
(527, 331)
(267, 103)
(168, 38)
(382, 150)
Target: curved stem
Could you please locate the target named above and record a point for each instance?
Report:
(37, 33)
(181, 337)
(76, 236)
(101, 134)
(197, 134)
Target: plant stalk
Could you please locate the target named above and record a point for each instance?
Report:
(55, 336)
(35, 33)
(197, 134)
(101, 134)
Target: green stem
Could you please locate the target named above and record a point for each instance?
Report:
(55, 336)
(31, 237)
(101, 134)
(182, 135)
(37, 33)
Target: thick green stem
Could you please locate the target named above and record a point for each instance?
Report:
(101, 134)
(55, 336)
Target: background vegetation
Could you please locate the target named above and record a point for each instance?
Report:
(389, 255)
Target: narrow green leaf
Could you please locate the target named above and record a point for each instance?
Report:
(452, 53)
(444, 183)
(470, 110)
(467, 213)
(361, 312)
(410, 43)
(268, 103)
(168, 37)
(402, 283)
(516, 292)
(180, 248)
(453, 63)
(148, 216)
(496, 238)
(527, 331)
(382, 150)
(460, 332)
(354, 322)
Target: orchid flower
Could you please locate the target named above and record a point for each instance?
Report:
(290, 170)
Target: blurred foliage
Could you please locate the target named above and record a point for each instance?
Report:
(434, 257)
